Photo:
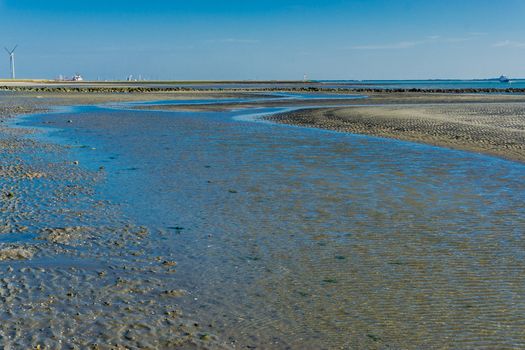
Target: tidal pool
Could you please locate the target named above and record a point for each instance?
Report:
(288, 237)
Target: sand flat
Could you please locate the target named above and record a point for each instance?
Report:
(370, 243)
(491, 128)
(338, 99)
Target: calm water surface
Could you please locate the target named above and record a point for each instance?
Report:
(426, 84)
(298, 238)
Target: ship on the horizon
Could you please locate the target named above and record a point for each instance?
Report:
(504, 79)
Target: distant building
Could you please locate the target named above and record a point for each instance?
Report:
(77, 77)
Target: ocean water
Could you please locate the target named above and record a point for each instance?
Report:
(425, 84)
(288, 237)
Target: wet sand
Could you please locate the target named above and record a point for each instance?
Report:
(86, 275)
(298, 238)
(496, 129)
(487, 123)
(59, 98)
(76, 273)
(327, 99)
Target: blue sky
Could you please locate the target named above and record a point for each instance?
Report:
(246, 40)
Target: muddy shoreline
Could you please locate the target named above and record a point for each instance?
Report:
(76, 272)
(69, 256)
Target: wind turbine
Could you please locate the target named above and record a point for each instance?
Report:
(12, 60)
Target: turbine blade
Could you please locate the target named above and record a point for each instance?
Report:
(7, 50)
(14, 48)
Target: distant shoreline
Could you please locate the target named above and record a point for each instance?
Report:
(112, 88)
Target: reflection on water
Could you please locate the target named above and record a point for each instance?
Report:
(290, 237)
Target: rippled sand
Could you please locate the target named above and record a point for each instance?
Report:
(494, 128)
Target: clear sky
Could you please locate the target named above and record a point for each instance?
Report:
(266, 39)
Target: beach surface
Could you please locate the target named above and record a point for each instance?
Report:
(76, 272)
(352, 98)
(126, 226)
(496, 129)
(493, 124)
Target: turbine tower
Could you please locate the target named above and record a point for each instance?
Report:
(11, 54)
